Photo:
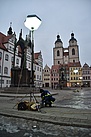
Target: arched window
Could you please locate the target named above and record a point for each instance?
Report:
(73, 51)
(5, 70)
(58, 62)
(58, 53)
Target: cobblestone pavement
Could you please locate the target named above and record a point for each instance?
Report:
(70, 116)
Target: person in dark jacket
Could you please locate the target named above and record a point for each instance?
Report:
(46, 97)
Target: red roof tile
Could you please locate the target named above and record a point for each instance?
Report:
(4, 39)
(74, 64)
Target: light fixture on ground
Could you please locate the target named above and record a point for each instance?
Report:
(32, 22)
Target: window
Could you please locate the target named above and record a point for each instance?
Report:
(76, 78)
(29, 65)
(40, 77)
(17, 61)
(58, 62)
(0, 55)
(37, 68)
(12, 59)
(1, 81)
(6, 57)
(58, 53)
(73, 51)
(37, 76)
(5, 70)
(6, 81)
(0, 69)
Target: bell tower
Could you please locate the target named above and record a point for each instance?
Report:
(73, 49)
(58, 51)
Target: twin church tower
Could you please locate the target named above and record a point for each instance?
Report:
(67, 55)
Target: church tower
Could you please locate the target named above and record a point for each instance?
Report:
(73, 49)
(58, 52)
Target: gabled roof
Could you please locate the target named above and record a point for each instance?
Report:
(86, 65)
(55, 67)
(46, 66)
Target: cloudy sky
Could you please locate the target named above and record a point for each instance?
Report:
(58, 17)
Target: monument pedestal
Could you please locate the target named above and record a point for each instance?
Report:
(19, 77)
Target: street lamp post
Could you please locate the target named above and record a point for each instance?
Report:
(32, 22)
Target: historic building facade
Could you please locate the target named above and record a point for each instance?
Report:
(46, 76)
(63, 55)
(67, 60)
(86, 75)
(38, 68)
(7, 43)
(75, 74)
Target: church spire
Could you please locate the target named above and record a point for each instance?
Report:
(10, 29)
(72, 37)
(58, 39)
(20, 36)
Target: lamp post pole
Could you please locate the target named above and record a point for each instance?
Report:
(32, 58)
(32, 22)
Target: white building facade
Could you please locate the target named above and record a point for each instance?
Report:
(7, 57)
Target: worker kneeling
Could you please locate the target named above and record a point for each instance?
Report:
(46, 97)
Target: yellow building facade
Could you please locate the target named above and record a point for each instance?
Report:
(75, 73)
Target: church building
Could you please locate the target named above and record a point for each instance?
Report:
(63, 55)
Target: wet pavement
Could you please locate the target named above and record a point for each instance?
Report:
(79, 100)
(70, 116)
(15, 127)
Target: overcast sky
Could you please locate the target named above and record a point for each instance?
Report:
(58, 17)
